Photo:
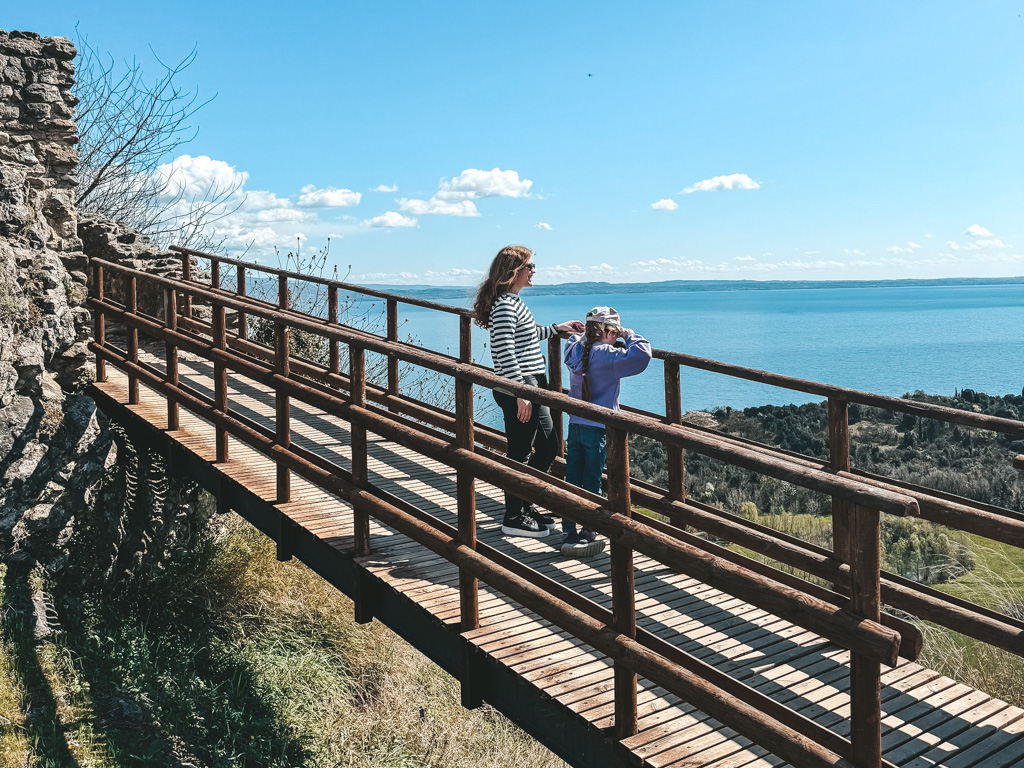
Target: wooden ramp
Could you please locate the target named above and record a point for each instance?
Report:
(929, 720)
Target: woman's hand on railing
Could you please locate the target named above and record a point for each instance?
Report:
(569, 327)
(523, 409)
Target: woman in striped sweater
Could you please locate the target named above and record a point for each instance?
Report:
(515, 351)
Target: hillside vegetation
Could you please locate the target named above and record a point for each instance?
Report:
(972, 463)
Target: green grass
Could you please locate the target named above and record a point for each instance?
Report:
(238, 661)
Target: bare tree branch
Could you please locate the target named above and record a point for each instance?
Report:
(129, 127)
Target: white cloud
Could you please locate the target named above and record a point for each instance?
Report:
(455, 276)
(665, 204)
(732, 181)
(201, 177)
(854, 252)
(744, 258)
(472, 184)
(994, 242)
(910, 247)
(437, 207)
(952, 245)
(281, 214)
(311, 197)
(929, 237)
(543, 225)
(260, 199)
(390, 219)
(976, 230)
(385, 188)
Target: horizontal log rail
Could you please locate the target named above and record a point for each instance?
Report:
(809, 477)
(899, 593)
(887, 402)
(902, 594)
(848, 614)
(846, 629)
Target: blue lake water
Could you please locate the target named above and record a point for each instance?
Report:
(889, 340)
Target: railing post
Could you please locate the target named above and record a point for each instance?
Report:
(214, 273)
(241, 290)
(282, 347)
(171, 320)
(99, 320)
(186, 276)
(360, 460)
(839, 460)
(131, 304)
(623, 598)
(469, 587)
(674, 415)
(555, 385)
(466, 497)
(332, 318)
(220, 379)
(865, 674)
(392, 312)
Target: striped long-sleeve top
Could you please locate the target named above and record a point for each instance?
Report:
(514, 338)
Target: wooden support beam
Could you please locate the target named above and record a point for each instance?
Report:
(466, 501)
(283, 409)
(333, 356)
(392, 321)
(186, 276)
(674, 415)
(357, 435)
(99, 319)
(241, 289)
(623, 593)
(131, 305)
(839, 460)
(865, 673)
(555, 385)
(171, 320)
(220, 379)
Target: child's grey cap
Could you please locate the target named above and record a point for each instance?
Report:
(606, 315)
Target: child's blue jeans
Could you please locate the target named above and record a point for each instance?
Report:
(584, 461)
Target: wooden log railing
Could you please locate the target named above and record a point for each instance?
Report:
(852, 568)
(986, 520)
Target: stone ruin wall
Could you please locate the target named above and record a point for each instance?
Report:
(59, 460)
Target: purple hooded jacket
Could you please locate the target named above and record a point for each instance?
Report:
(607, 366)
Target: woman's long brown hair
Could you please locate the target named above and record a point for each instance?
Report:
(595, 332)
(500, 278)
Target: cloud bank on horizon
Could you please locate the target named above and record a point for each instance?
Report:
(258, 222)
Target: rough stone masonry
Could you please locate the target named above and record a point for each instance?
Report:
(58, 457)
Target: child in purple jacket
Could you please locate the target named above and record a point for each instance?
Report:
(596, 365)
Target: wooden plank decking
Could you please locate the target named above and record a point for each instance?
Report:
(929, 720)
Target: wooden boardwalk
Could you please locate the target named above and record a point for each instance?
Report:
(929, 720)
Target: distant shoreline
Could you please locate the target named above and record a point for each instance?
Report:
(693, 286)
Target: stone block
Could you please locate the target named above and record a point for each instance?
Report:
(38, 111)
(60, 48)
(42, 92)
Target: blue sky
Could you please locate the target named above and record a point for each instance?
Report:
(622, 142)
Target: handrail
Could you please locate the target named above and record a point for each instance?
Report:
(815, 479)
(807, 386)
(376, 293)
(905, 405)
(819, 616)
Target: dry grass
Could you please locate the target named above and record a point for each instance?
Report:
(248, 662)
(363, 697)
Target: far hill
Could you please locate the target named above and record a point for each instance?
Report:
(458, 292)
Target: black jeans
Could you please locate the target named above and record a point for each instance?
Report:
(535, 440)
